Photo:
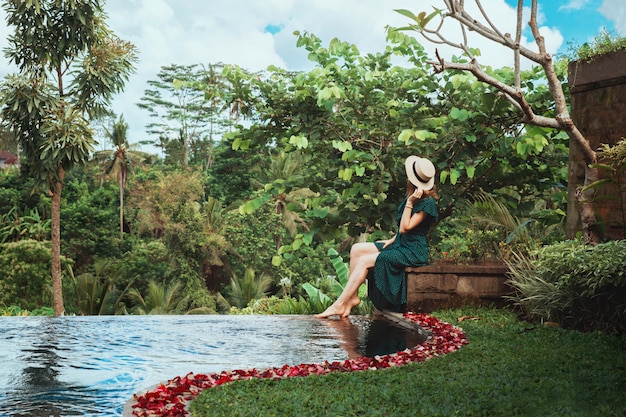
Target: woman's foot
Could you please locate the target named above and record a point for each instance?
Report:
(341, 310)
(331, 312)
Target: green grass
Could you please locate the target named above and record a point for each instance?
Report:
(509, 368)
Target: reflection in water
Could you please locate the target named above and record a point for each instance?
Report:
(372, 336)
(90, 366)
(38, 391)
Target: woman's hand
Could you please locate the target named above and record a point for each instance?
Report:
(388, 242)
(417, 194)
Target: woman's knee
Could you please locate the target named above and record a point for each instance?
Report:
(361, 249)
(367, 261)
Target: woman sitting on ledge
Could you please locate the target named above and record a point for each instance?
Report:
(383, 263)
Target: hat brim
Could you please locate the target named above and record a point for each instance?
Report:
(410, 173)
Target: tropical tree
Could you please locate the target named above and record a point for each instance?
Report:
(89, 214)
(169, 206)
(356, 118)
(230, 176)
(512, 89)
(70, 66)
(283, 168)
(160, 298)
(250, 287)
(345, 115)
(185, 118)
(117, 162)
(96, 293)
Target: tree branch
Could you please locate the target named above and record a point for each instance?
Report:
(518, 40)
(512, 94)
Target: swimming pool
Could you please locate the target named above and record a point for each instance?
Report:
(90, 366)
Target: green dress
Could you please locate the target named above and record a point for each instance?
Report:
(386, 282)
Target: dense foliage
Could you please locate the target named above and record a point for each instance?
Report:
(25, 274)
(69, 66)
(308, 162)
(574, 284)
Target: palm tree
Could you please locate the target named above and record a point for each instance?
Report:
(160, 298)
(522, 234)
(243, 290)
(118, 160)
(283, 166)
(96, 293)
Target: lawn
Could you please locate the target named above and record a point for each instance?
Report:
(509, 368)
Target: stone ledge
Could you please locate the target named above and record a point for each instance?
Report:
(604, 70)
(438, 286)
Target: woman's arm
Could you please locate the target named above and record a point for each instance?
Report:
(410, 220)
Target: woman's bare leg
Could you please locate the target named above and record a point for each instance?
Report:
(362, 257)
(358, 250)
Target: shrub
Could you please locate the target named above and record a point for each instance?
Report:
(25, 276)
(254, 240)
(604, 43)
(18, 311)
(577, 285)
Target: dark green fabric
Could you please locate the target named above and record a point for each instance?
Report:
(387, 280)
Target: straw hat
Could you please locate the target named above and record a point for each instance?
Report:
(420, 171)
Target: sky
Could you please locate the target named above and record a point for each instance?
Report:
(257, 33)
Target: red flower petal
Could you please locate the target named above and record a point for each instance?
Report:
(170, 399)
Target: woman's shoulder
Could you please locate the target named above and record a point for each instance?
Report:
(427, 205)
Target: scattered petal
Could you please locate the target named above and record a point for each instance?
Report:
(462, 318)
(171, 399)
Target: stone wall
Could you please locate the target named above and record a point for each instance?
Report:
(598, 108)
(438, 286)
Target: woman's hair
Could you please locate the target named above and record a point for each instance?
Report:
(410, 188)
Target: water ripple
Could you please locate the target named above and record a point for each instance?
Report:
(90, 366)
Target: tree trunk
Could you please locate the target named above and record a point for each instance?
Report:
(57, 284)
(121, 208)
(586, 207)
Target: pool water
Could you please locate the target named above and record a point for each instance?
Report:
(90, 366)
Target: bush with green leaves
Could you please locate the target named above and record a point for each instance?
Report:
(265, 305)
(18, 311)
(318, 298)
(254, 239)
(490, 228)
(604, 43)
(307, 264)
(147, 261)
(465, 244)
(25, 278)
(574, 284)
(90, 226)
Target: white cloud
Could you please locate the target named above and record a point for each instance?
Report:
(574, 5)
(209, 31)
(615, 11)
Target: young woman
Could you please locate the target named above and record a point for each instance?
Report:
(384, 262)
